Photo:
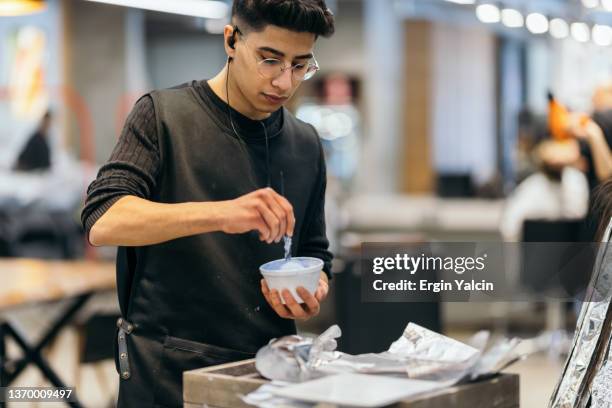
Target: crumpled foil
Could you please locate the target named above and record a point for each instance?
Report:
(419, 353)
(293, 358)
(572, 391)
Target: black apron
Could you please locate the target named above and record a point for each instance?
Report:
(195, 302)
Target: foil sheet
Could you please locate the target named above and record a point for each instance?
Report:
(419, 353)
(264, 397)
(573, 389)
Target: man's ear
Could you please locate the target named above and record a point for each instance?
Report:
(229, 35)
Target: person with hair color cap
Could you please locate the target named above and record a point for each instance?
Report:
(193, 197)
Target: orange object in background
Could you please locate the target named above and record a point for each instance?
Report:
(559, 120)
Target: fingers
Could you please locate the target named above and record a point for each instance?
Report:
(294, 307)
(311, 301)
(272, 222)
(322, 290)
(282, 209)
(262, 227)
(273, 299)
(287, 208)
(281, 216)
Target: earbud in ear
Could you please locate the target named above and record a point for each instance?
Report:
(231, 42)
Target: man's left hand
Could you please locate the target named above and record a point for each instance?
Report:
(292, 309)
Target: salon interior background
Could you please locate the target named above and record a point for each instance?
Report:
(416, 63)
(419, 104)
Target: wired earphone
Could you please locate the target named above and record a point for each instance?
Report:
(231, 42)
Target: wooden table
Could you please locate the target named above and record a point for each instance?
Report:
(27, 281)
(221, 387)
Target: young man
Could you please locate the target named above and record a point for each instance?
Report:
(192, 196)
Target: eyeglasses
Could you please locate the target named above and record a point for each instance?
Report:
(272, 68)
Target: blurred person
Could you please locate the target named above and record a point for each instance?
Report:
(595, 134)
(190, 197)
(557, 191)
(532, 129)
(36, 154)
(602, 97)
(600, 214)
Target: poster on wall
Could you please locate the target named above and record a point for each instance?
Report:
(27, 91)
(24, 91)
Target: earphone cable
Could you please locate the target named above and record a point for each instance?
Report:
(240, 139)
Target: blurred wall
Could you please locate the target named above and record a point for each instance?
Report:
(384, 60)
(576, 69)
(344, 52)
(106, 71)
(464, 100)
(177, 58)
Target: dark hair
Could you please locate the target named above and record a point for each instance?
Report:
(601, 208)
(310, 16)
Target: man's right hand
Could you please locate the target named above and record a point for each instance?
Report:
(263, 210)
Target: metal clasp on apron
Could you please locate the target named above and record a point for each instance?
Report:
(125, 328)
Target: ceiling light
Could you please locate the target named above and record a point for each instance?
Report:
(559, 28)
(537, 23)
(195, 8)
(512, 18)
(590, 3)
(21, 7)
(488, 13)
(580, 32)
(602, 35)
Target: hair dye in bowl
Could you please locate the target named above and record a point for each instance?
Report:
(291, 265)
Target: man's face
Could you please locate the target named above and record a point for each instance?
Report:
(267, 95)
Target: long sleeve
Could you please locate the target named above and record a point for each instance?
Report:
(313, 241)
(132, 167)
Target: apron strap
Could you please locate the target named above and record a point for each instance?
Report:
(125, 328)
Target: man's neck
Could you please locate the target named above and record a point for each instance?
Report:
(236, 98)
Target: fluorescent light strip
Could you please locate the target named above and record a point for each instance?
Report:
(195, 8)
(21, 7)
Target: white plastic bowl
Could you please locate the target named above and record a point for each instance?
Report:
(279, 278)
